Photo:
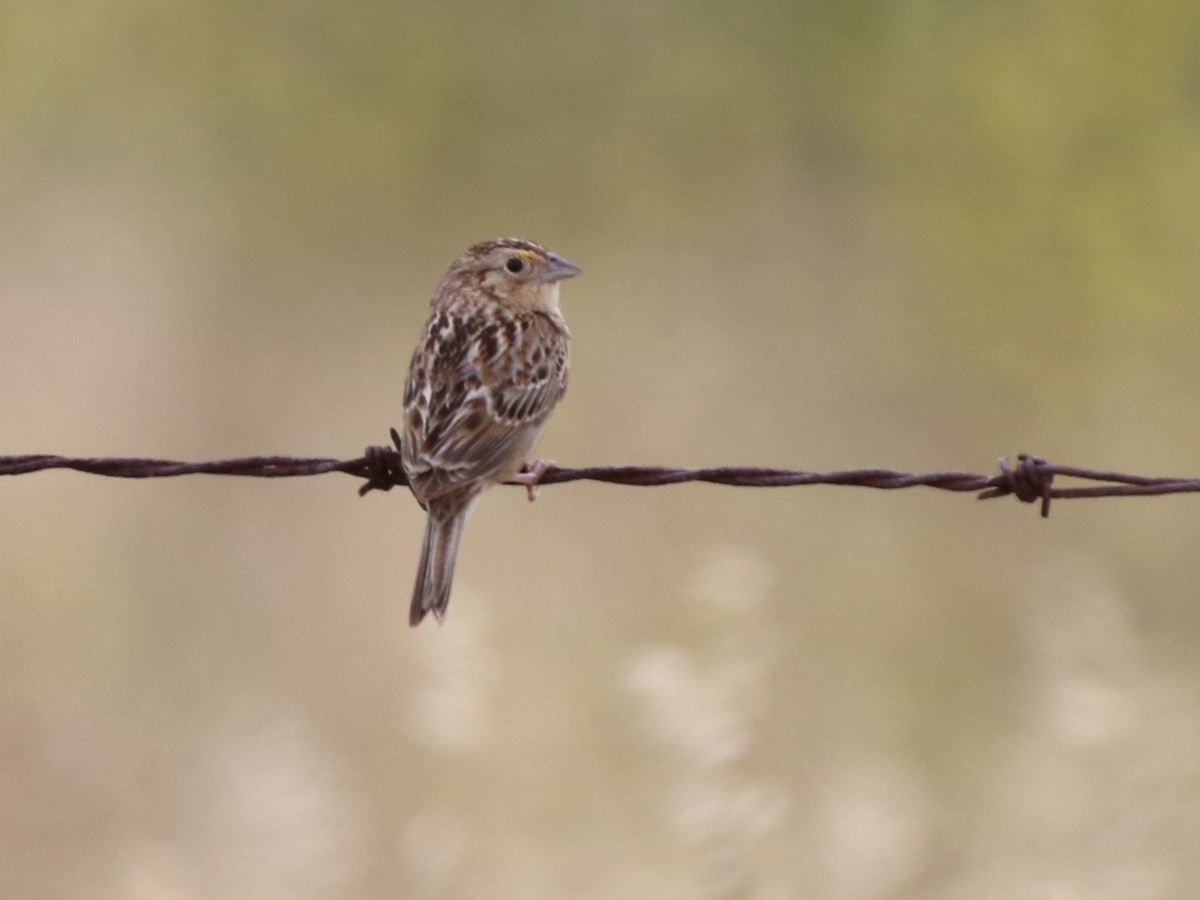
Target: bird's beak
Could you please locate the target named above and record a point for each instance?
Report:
(559, 269)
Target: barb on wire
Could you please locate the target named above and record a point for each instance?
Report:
(1031, 479)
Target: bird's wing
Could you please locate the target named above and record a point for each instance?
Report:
(478, 395)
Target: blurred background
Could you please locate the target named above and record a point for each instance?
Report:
(816, 235)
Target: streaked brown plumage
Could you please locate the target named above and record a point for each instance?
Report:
(490, 368)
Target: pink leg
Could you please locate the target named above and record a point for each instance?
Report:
(531, 475)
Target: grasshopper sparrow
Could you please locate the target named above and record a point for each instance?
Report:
(489, 369)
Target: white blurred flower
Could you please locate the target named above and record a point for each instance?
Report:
(457, 671)
(872, 830)
(700, 709)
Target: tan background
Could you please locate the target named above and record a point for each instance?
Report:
(815, 235)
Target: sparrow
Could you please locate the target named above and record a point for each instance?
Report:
(489, 369)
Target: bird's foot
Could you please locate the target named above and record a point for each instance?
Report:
(531, 475)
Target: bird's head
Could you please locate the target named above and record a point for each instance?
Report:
(513, 271)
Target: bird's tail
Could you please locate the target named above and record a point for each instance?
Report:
(438, 554)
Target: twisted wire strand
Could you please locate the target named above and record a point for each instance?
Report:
(1029, 480)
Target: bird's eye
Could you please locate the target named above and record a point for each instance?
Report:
(515, 264)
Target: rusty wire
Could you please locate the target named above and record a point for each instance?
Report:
(1031, 479)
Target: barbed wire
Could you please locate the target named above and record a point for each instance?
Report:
(1031, 479)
